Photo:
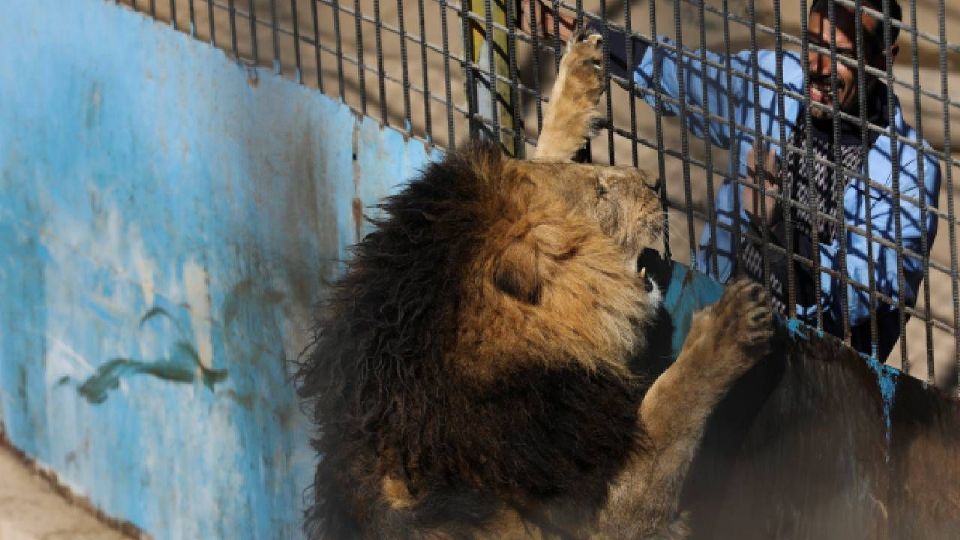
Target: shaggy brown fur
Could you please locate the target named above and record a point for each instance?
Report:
(469, 374)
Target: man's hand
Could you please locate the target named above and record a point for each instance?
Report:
(545, 18)
(771, 178)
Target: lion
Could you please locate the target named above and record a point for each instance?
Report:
(469, 372)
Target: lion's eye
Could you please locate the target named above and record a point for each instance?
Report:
(601, 190)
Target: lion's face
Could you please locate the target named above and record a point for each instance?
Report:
(622, 201)
(559, 259)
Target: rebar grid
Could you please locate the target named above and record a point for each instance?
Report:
(418, 66)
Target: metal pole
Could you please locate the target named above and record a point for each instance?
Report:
(490, 57)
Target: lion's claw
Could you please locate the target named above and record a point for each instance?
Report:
(736, 331)
(583, 49)
(573, 114)
(744, 310)
(582, 69)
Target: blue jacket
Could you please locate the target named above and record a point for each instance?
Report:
(919, 178)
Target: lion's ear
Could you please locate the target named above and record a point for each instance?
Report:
(518, 272)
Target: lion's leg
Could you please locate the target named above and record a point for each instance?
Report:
(572, 111)
(725, 340)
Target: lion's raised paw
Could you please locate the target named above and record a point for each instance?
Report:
(582, 65)
(584, 46)
(745, 314)
(732, 335)
(573, 115)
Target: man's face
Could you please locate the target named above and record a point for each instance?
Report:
(818, 78)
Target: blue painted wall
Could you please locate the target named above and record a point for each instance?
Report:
(167, 219)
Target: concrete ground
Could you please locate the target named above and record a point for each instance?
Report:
(32, 509)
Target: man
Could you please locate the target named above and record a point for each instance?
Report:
(830, 208)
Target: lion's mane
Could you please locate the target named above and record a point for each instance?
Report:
(389, 400)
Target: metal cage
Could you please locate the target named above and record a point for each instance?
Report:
(442, 71)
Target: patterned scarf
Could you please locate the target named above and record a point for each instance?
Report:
(815, 184)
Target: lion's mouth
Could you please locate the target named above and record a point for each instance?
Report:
(647, 281)
(654, 296)
(654, 270)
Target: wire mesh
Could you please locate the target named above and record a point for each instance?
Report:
(443, 71)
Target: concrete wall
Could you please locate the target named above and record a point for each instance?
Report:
(167, 219)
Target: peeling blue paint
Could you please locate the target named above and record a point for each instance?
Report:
(887, 380)
(887, 377)
(800, 330)
(183, 365)
(797, 329)
(141, 170)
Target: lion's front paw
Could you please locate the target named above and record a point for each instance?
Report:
(581, 71)
(745, 309)
(572, 115)
(736, 331)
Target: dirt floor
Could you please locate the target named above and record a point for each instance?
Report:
(434, 80)
(32, 509)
